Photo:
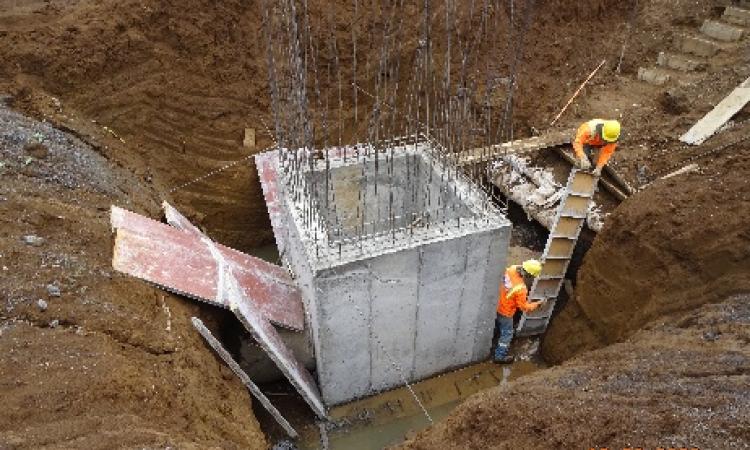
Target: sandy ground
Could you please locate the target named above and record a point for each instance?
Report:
(157, 93)
(90, 358)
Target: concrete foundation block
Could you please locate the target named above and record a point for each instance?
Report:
(653, 76)
(399, 268)
(679, 62)
(721, 31)
(737, 16)
(696, 46)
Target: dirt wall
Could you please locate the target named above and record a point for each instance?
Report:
(680, 383)
(90, 358)
(179, 81)
(679, 244)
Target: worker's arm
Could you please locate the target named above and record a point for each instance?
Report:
(523, 303)
(582, 136)
(605, 154)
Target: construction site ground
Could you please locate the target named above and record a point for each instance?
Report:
(124, 102)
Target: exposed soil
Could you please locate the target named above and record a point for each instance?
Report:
(90, 358)
(160, 92)
(679, 383)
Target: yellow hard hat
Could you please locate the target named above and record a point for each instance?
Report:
(611, 130)
(532, 267)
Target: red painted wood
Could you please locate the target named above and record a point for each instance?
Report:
(181, 261)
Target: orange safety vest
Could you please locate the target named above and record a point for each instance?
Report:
(513, 293)
(590, 134)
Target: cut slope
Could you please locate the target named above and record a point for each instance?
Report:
(678, 384)
(679, 244)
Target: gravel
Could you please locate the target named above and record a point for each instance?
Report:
(65, 160)
(53, 290)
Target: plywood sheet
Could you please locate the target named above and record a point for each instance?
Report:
(187, 262)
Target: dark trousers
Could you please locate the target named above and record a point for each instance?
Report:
(505, 329)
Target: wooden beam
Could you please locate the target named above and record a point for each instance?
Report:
(520, 146)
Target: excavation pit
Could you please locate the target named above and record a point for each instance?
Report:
(398, 258)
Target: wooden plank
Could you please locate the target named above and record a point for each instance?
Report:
(485, 154)
(249, 140)
(252, 387)
(182, 262)
(717, 117)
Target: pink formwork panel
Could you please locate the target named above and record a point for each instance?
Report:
(270, 341)
(187, 262)
(268, 174)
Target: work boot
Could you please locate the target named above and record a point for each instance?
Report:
(507, 359)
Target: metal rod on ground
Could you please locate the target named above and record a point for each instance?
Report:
(324, 445)
(578, 91)
(227, 358)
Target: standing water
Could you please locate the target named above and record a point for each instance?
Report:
(390, 417)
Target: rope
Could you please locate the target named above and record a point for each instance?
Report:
(398, 369)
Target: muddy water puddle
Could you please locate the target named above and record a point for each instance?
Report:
(388, 418)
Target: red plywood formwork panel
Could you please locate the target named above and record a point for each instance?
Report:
(188, 263)
(267, 165)
(270, 341)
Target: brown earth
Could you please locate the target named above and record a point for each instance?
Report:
(680, 382)
(163, 90)
(179, 82)
(90, 358)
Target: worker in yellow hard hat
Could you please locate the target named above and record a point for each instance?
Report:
(513, 296)
(599, 136)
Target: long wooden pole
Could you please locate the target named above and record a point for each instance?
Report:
(578, 91)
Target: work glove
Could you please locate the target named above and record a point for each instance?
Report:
(598, 171)
(584, 163)
(536, 305)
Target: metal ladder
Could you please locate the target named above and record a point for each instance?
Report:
(571, 215)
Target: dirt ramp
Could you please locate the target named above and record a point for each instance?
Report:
(679, 244)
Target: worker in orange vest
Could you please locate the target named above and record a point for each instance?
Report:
(599, 136)
(513, 296)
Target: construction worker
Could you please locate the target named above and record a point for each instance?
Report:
(513, 293)
(596, 135)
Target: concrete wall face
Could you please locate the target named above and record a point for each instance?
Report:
(398, 307)
(407, 315)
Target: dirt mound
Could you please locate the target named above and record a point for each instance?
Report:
(679, 244)
(179, 81)
(90, 358)
(678, 384)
